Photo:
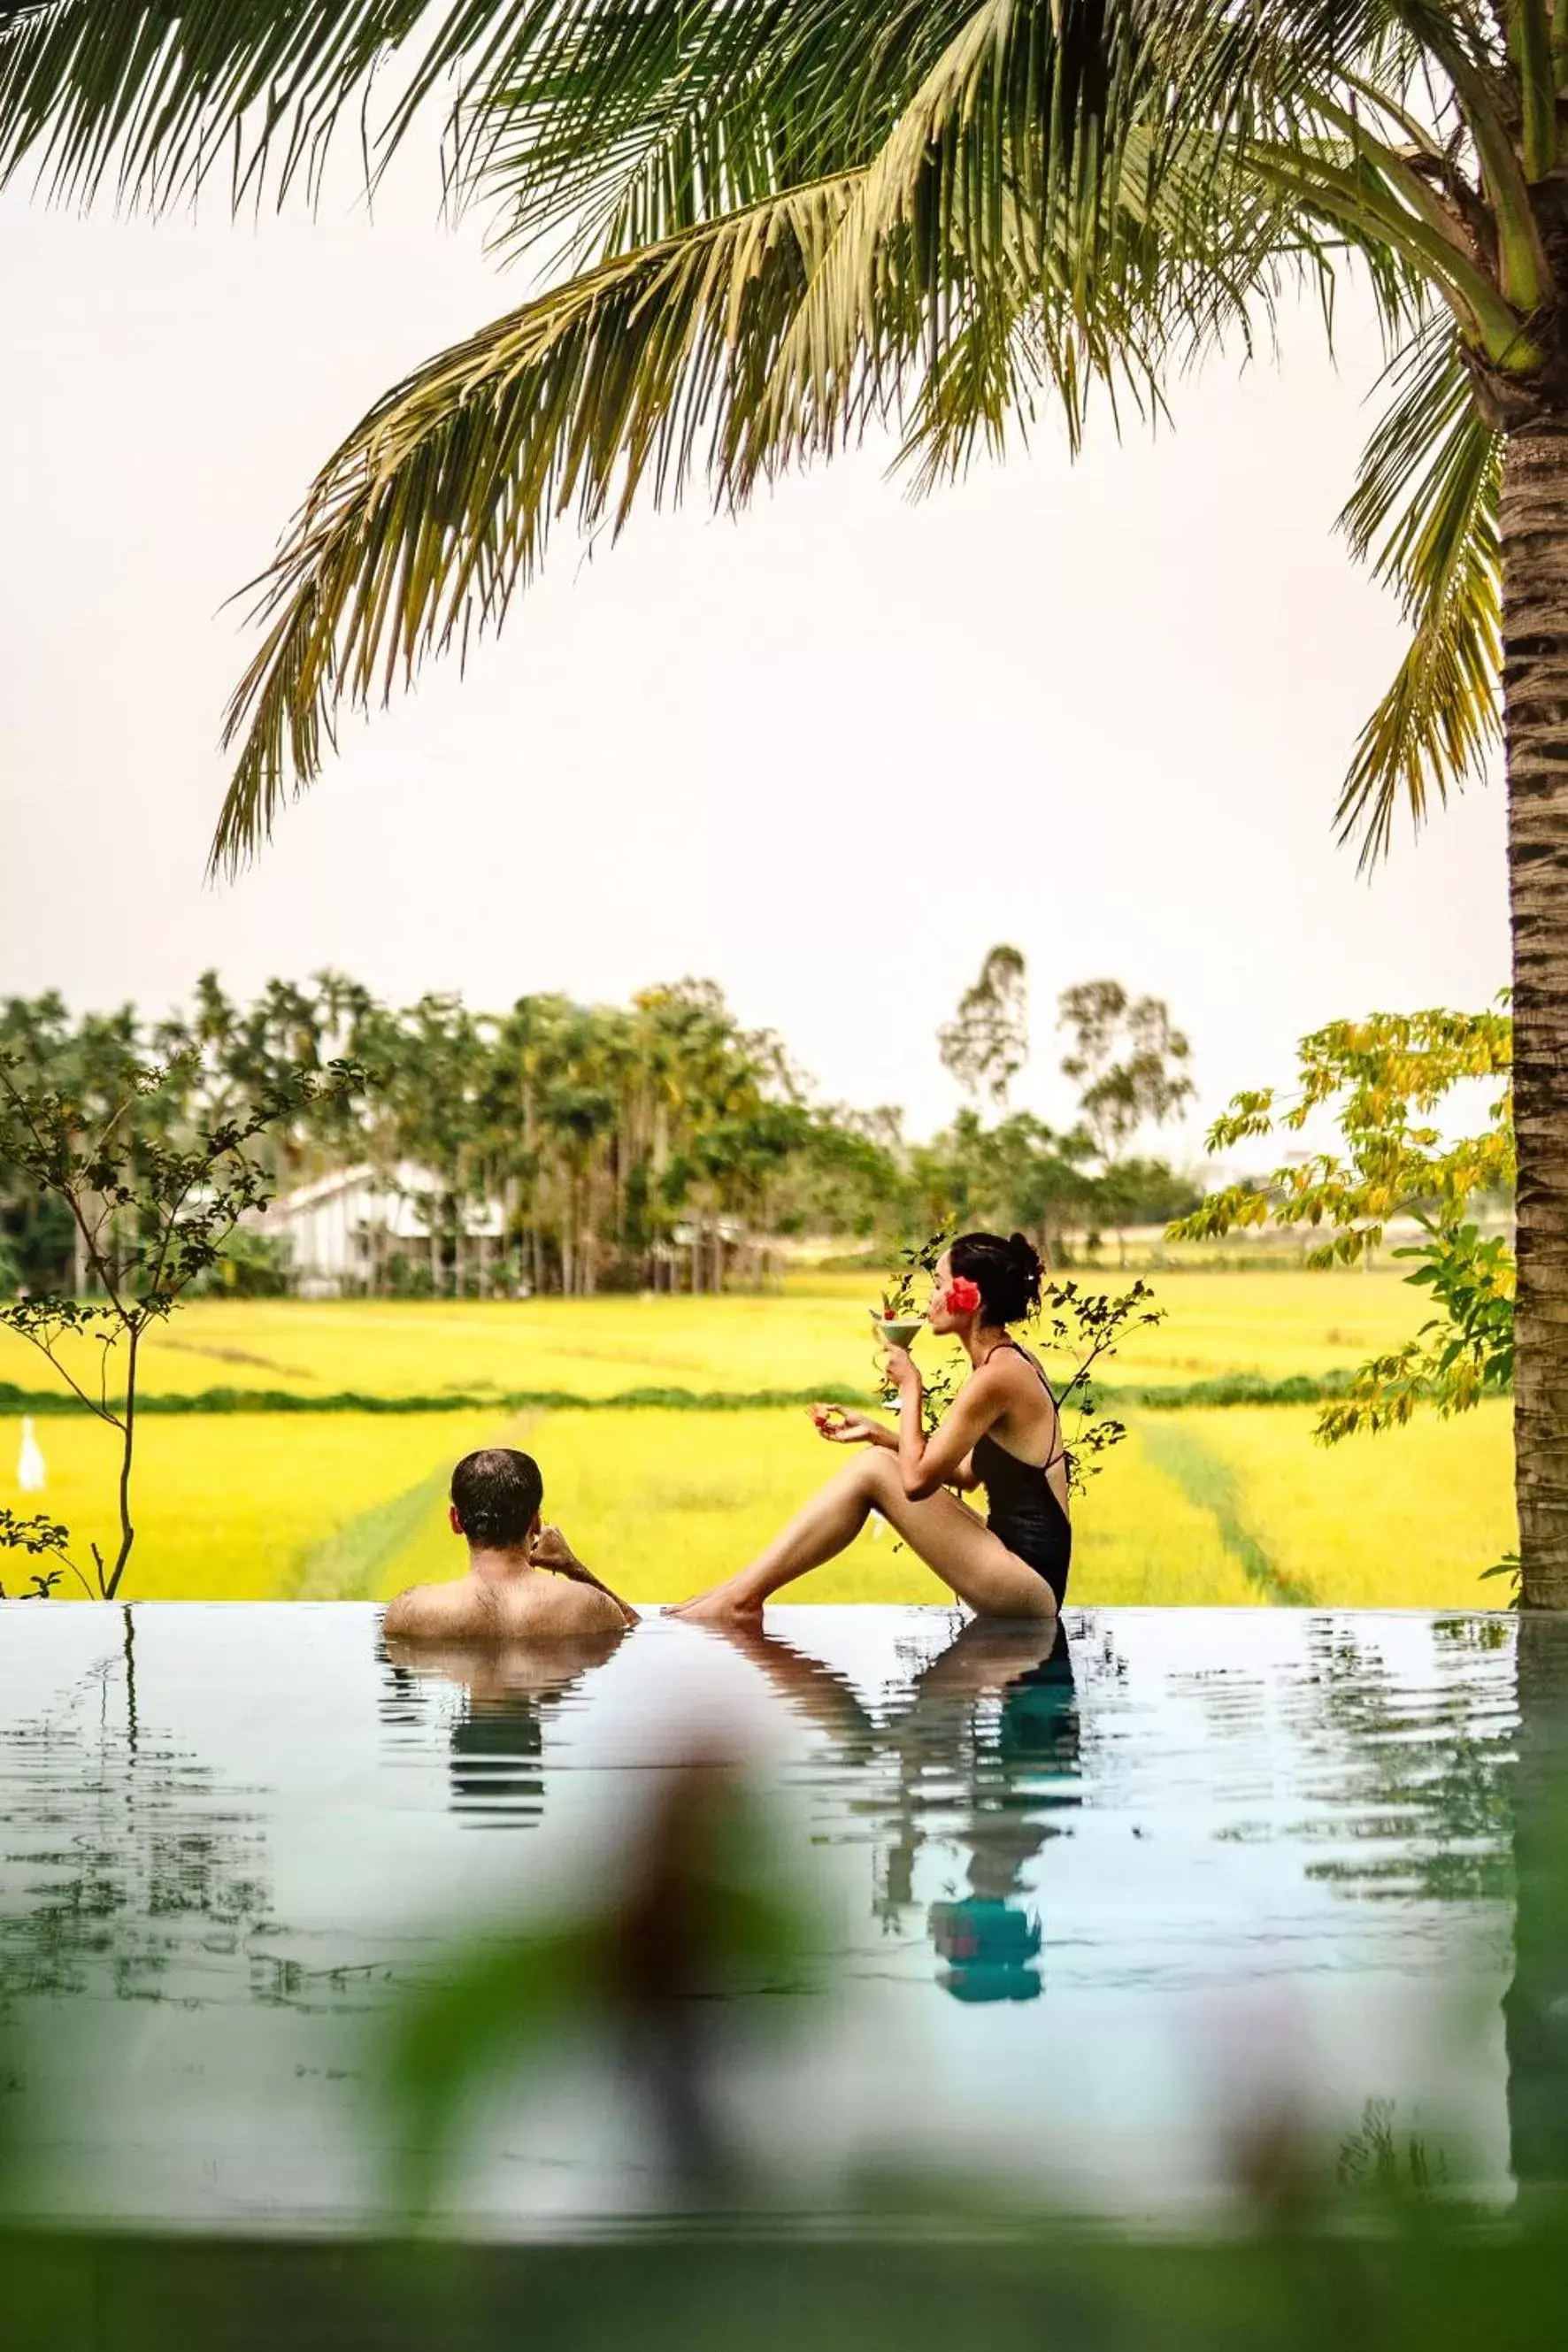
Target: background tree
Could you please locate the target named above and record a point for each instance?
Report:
(1018, 1174)
(560, 1146)
(1129, 1060)
(1130, 1063)
(987, 1043)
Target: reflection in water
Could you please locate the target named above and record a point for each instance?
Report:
(1420, 1777)
(989, 1937)
(1535, 2008)
(984, 1754)
(497, 1740)
(133, 1870)
(1314, 1802)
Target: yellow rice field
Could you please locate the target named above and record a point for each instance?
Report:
(242, 1507)
(816, 1331)
(1230, 1507)
(671, 1501)
(1224, 1505)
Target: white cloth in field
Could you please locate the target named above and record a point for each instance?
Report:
(31, 1473)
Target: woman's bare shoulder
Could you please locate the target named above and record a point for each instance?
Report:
(1010, 1371)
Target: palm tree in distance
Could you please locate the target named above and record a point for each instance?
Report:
(788, 221)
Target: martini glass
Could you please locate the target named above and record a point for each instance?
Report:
(898, 1331)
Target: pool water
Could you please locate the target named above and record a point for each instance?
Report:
(1087, 1915)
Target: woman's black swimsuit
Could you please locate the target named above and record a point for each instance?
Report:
(1026, 1511)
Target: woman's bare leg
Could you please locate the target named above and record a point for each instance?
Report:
(971, 1562)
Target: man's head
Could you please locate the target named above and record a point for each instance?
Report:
(496, 1497)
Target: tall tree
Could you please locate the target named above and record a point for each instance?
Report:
(1129, 1061)
(987, 1043)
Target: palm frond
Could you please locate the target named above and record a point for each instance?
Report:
(147, 98)
(439, 506)
(1057, 222)
(628, 123)
(552, 103)
(1423, 512)
(1005, 221)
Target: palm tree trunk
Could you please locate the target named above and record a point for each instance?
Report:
(1534, 521)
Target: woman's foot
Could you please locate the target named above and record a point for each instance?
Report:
(727, 1604)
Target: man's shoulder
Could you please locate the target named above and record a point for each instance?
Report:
(429, 1607)
(542, 1605)
(572, 1607)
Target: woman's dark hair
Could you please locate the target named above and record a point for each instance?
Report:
(1007, 1273)
(496, 1493)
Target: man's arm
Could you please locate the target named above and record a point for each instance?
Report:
(552, 1551)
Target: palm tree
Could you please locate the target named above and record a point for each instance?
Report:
(790, 221)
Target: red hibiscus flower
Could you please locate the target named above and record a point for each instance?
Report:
(962, 1296)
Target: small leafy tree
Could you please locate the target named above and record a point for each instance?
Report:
(45, 1539)
(1380, 1081)
(152, 1202)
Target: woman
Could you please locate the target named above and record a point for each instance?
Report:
(1003, 1432)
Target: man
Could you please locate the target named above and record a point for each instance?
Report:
(506, 1594)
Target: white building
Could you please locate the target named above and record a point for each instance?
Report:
(337, 1230)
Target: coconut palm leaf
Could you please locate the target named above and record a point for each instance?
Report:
(795, 216)
(1423, 512)
(146, 98)
(709, 350)
(631, 122)
(439, 504)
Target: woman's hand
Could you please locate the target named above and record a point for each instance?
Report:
(902, 1368)
(842, 1428)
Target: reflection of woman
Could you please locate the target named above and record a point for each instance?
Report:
(987, 1717)
(498, 1742)
(988, 1937)
(1002, 1433)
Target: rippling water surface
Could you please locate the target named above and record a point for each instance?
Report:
(1090, 1910)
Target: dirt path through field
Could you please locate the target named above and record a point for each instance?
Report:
(351, 1562)
(1212, 1486)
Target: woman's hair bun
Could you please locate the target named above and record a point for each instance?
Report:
(1008, 1273)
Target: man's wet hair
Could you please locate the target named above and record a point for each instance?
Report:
(496, 1494)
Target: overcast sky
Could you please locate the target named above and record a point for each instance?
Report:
(826, 754)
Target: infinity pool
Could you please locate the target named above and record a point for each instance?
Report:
(1089, 1915)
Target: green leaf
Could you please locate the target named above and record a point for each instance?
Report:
(1425, 514)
